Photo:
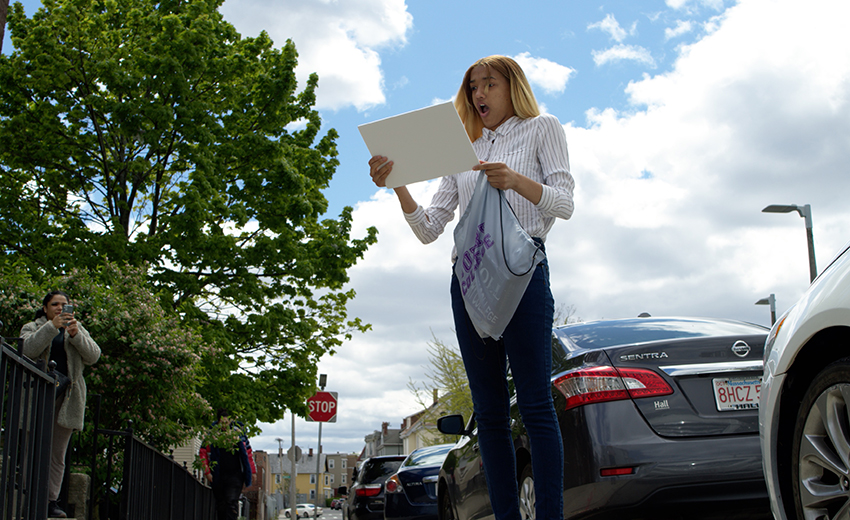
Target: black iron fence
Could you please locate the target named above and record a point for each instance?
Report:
(26, 430)
(134, 480)
(152, 484)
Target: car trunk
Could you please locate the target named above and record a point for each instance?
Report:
(715, 384)
(420, 485)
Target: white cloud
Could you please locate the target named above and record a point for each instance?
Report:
(611, 26)
(717, 5)
(739, 123)
(337, 40)
(623, 52)
(682, 27)
(550, 76)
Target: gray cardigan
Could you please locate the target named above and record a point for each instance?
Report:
(81, 350)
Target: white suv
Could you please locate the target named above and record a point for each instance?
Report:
(804, 413)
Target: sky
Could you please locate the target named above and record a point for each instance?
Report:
(684, 118)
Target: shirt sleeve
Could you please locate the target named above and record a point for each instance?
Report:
(558, 184)
(204, 453)
(428, 224)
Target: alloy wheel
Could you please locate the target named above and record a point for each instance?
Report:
(822, 484)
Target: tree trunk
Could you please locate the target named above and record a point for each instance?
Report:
(4, 8)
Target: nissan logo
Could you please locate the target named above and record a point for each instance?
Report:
(740, 348)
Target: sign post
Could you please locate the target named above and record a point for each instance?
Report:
(322, 408)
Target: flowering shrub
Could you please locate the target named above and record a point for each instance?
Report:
(148, 371)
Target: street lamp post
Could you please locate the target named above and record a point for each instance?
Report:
(804, 211)
(770, 300)
(323, 380)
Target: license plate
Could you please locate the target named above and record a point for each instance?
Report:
(740, 393)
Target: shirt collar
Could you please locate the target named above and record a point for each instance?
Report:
(503, 129)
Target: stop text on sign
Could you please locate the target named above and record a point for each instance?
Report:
(322, 407)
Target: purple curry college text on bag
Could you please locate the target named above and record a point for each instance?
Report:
(471, 259)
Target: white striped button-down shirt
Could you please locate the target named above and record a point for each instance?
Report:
(535, 147)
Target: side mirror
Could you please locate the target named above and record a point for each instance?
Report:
(451, 425)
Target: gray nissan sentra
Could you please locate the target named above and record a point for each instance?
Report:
(659, 418)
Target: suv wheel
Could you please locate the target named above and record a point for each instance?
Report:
(445, 512)
(527, 500)
(821, 449)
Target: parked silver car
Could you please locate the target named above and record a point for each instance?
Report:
(804, 413)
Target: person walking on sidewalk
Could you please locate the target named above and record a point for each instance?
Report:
(228, 464)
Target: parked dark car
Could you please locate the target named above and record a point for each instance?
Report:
(411, 494)
(659, 417)
(366, 495)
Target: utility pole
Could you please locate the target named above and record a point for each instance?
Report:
(293, 474)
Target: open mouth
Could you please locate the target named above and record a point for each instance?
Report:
(483, 109)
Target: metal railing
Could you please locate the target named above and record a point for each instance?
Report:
(26, 431)
(152, 486)
(147, 485)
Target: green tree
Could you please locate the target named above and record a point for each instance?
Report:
(145, 353)
(447, 382)
(150, 132)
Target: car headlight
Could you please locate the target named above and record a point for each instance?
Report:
(771, 337)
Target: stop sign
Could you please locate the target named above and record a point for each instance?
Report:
(322, 407)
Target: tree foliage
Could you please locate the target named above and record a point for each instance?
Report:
(151, 133)
(145, 353)
(447, 379)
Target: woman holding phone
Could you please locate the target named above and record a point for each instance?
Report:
(55, 335)
(524, 153)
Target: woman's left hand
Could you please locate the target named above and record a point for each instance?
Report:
(499, 175)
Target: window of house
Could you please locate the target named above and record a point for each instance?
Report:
(277, 479)
(312, 494)
(344, 463)
(344, 476)
(330, 463)
(327, 480)
(312, 479)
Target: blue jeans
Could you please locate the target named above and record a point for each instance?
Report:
(527, 343)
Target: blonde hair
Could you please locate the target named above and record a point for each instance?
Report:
(522, 98)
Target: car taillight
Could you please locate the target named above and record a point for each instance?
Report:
(368, 490)
(599, 384)
(393, 485)
(617, 472)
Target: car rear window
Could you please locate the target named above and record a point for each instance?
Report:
(641, 330)
(379, 471)
(431, 456)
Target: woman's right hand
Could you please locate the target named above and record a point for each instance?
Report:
(379, 168)
(61, 319)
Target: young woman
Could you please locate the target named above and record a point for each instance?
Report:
(57, 336)
(525, 154)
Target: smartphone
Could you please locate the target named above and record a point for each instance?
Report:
(68, 309)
